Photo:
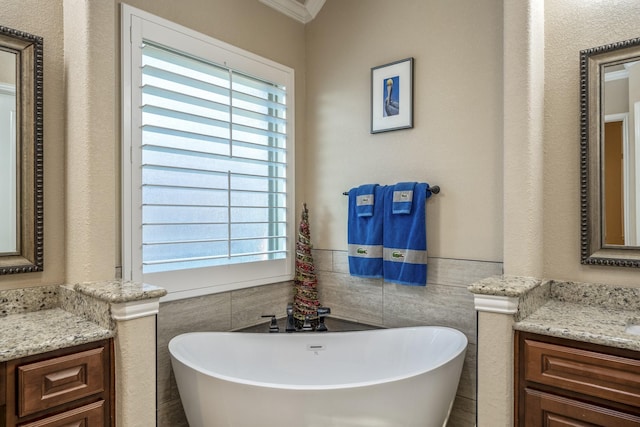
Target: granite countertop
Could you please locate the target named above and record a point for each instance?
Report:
(118, 291)
(582, 322)
(587, 312)
(39, 319)
(24, 334)
(504, 286)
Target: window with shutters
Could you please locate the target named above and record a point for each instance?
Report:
(207, 161)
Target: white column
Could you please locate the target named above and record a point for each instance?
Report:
(135, 362)
(495, 360)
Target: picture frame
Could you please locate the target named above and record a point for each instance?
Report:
(392, 96)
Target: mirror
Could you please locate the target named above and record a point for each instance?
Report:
(21, 152)
(610, 154)
(9, 211)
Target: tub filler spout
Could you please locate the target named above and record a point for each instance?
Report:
(291, 327)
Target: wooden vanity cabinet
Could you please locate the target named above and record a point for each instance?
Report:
(561, 382)
(62, 388)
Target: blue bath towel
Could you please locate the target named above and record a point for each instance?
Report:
(365, 235)
(405, 238)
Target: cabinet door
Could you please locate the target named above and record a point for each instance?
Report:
(548, 410)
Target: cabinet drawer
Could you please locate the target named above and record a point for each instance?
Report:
(86, 416)
(587, 372)
(43, 385)
(544, 409)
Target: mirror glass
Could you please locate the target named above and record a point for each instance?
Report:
(21, 152)
(621, 160)
(8, 158)
(610, 154)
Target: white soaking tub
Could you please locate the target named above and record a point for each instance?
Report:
(402, 377)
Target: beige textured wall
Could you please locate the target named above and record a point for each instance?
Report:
(44, 18)
(92, 141)
(456, 141)
(571, 26)
(523, 137)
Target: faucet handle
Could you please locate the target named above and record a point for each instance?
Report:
(273, 325)
(323, 311)
(290, 327)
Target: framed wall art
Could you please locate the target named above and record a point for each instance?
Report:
(392, 96)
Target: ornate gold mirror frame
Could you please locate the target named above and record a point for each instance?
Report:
(28, 50)
(596, 66)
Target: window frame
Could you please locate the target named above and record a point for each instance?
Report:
(137, 25)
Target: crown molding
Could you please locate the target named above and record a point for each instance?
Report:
(300, 12)
(135, 309)
(495, 303)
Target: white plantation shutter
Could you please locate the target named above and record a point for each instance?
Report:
(211, 164)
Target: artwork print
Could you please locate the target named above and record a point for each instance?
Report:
(392, 96)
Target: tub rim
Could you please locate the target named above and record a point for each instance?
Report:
(311, 387)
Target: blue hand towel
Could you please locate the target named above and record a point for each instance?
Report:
(365, 235)
(365, 198)
(405, 239)
(403, 197)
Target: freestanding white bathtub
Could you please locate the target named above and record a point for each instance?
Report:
(401, 377)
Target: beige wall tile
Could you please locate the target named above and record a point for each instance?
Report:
(322, 259)
(468, 380)
(341, 262)
(248, 305)
(431, 305)
(463, 413)
(206, 313)
(351, 298)
(171, 414)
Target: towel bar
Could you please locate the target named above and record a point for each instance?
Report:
(435, 189)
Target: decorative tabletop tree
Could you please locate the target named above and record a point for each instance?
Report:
(305, 301)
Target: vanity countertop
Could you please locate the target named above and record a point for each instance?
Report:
(24, 334)
(36, 320)
(582, 322)
(587, 312)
